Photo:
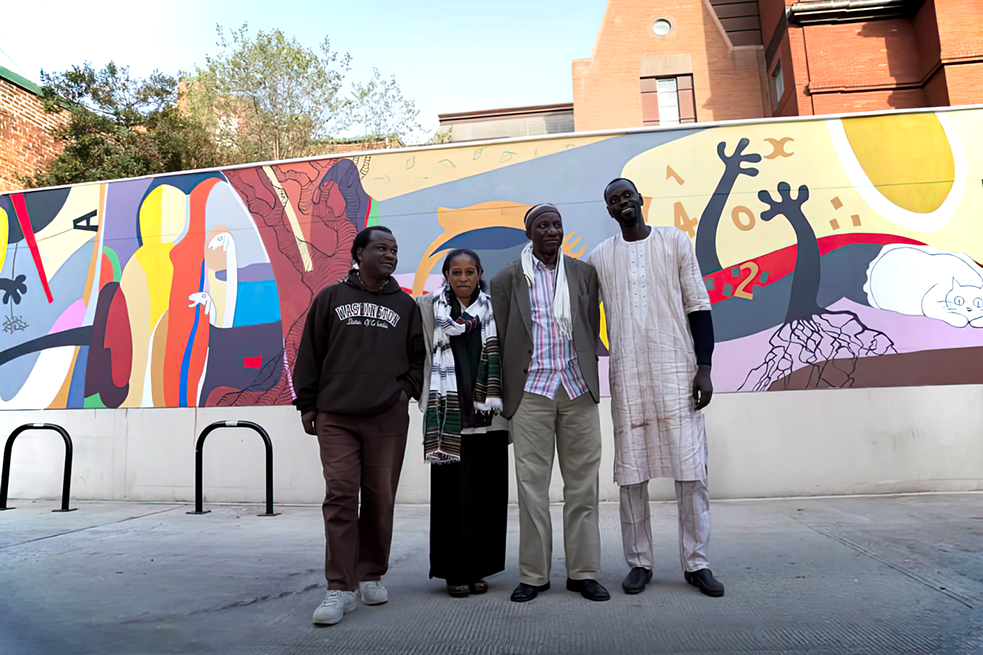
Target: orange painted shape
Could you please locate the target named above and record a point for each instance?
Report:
(187, 258)
(105, 272)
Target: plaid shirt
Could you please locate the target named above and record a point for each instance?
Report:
(553, 357)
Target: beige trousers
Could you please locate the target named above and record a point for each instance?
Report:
(572, 429)
(693, 503)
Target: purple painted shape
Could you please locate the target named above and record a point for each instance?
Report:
(123, 204)
(251, 273)
(72, 317)
(735, 358)
(914, 333)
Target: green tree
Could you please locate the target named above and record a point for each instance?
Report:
(267, 97)
(119, 126)
(380, 111)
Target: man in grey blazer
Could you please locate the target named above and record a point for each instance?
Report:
(548, 318)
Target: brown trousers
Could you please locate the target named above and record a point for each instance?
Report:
(360, 454)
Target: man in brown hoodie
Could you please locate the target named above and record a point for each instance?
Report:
(359, 362)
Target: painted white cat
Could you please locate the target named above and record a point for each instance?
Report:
(923, 281)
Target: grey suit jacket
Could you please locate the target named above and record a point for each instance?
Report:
(513, 318)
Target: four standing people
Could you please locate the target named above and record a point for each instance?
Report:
(546, 307)
(464, 437)
(367, 348)
(661, 343)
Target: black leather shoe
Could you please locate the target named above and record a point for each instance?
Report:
(636, 580)
(589, 589)
(525, 592)
(705, 582)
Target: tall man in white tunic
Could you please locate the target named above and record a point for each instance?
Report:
(661, 342)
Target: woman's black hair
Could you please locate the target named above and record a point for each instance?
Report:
(362, 239)
(470, 253)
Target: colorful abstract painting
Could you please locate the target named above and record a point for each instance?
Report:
(837, 253)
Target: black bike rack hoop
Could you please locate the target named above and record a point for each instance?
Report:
(269, 461)
(66, 481)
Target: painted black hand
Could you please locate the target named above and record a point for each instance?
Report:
(13, 289)
(734, 163)
(308, 420)
(702, 387)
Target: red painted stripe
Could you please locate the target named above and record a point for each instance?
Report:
(252, 362)
(20, 208)
(368, 210)
(781, 263)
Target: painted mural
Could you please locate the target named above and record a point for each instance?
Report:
(837, 253)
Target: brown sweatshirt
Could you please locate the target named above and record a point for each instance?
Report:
(360, 349)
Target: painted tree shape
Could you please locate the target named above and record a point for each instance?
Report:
(828, 342)
(706, 232)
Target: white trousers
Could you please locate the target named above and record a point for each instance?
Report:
(693, 502)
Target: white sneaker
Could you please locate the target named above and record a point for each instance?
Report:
(336, 604)
(373, 593)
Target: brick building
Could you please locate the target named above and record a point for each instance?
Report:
(846, 56)
(699, 60)
(679, 61)
(687, 61)
(25, 139)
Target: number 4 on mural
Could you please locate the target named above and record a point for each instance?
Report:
(683, 221)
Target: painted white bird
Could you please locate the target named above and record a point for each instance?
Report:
(225, 242)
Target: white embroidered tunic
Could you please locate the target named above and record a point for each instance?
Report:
(648, 288)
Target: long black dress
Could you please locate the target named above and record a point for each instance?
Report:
(469, 499)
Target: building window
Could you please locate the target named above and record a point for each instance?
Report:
(668, 100)
(777, 84)
(661, 26)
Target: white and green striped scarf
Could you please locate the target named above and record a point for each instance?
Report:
(442, 422)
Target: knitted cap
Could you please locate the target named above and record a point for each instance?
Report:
(538, 210)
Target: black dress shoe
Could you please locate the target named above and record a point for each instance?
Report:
(636, 580)
(589, 589)
(525, 592)
(705, 582)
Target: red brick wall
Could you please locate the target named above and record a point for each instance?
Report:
(965, 83)
(937, 90)
(837, 103)
(606, 91)
(797, 53)
(960, 28)
(25, 143)
(862, 54)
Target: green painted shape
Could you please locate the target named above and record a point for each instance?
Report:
(114, 260)
(373, 218)
(94, 402)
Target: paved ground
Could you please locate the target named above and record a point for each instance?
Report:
(897, 574)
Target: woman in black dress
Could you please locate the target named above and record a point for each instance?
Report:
(464, 437)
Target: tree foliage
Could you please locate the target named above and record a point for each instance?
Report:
(263, 97)
(119, 126)
(267, 97)
(379, 109)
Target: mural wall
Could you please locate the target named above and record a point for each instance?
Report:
(837, 253)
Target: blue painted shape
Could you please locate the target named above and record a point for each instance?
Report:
(76, 389)
(487, 238)
(735, 271)
(186, 361)
(728, 289)
(764, 277)
(710, 283)
(257, 303)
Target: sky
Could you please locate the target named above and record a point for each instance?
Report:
(447, 55)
